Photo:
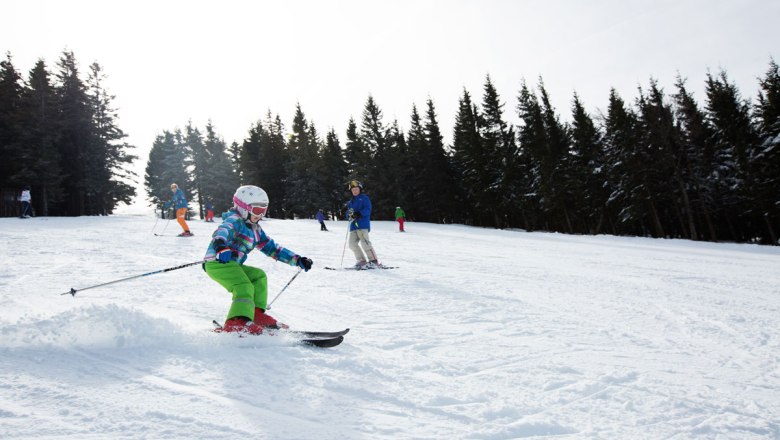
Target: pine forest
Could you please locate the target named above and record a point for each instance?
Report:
(659, 165)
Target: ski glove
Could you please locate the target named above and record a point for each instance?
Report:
(224, 253)
(305, 263)
(356, 215)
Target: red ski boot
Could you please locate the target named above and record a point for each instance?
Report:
(241, 324)
(265, 320)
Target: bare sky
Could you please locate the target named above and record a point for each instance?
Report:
(172, 61)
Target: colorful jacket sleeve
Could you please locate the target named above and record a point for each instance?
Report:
(226, 232)
(277, 252)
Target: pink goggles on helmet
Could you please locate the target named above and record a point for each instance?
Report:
(255, 209)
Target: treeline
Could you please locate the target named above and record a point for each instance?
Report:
(59, 135)
(661, 166)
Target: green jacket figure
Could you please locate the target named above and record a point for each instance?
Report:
(400, 217)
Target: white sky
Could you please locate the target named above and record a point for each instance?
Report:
(173, 61)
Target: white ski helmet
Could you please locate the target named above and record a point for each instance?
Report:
(250, 199)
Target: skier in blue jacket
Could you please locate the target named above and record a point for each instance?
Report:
(359, 215)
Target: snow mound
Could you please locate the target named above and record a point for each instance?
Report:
(107, 326)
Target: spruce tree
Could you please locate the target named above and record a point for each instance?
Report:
(220, 179)
(440, 188)
(533, 161)
(357, 155)
(499, 148)
(557, 178)
(418, 183)
(734, 140)
(40, 160)
(765, 160)
(75, 140)
(111, 179)
(587, 194)
(303, 188)
(10, 124)
(468, 158)
(334, 175)
(621, 135)
(202, 161)
(696, 139)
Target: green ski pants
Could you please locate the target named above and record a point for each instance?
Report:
(249, 286)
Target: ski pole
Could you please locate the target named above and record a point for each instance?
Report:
(268, 306)
(73, 291)
(157, 219)
(349, 225)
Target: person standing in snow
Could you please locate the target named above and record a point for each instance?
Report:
(179, 202)
(232, 241)
(209, 212)
(321, 218)
(400, 217)
(359, 215)
(26, 200)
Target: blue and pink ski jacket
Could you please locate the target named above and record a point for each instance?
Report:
(242, 238)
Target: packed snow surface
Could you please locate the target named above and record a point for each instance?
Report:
(478, 334)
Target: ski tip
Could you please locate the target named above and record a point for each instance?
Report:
(323, 343)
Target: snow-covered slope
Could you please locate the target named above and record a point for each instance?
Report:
(478, 334)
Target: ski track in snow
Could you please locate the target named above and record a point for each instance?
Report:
(479, 334)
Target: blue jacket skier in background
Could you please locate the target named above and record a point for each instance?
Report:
(359, 215)
(321, 218)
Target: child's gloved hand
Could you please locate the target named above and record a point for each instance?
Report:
(305, 263)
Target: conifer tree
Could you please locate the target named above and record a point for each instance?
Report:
(40, 160)
(110, 177)
(588, 171)
(557, 176)
(357, 155)
(303, 189)
(735, 138)
(75, 141)
(620, 139)
(248, 163)
(696, 142)
(663, 183)
(532, 164)
(468, 157)
(378, 142)
(334, 175)
(765, 161)
(440, 189)
(499, 146)
(202, 161)
(10, 106)
(418, 183)
(219, 177)
(272, 165)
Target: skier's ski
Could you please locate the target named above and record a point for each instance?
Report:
(355, 268)
(314, 338)
(323, 342)
(310, 334)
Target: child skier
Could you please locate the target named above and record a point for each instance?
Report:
(359, 215)
(179, 202)
(238, 235)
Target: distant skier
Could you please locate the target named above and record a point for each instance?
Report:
(400, 217)
(238, 235)
(26, 200)
(321, 218)
(209, 212)
(359, 214)
(179, 202)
